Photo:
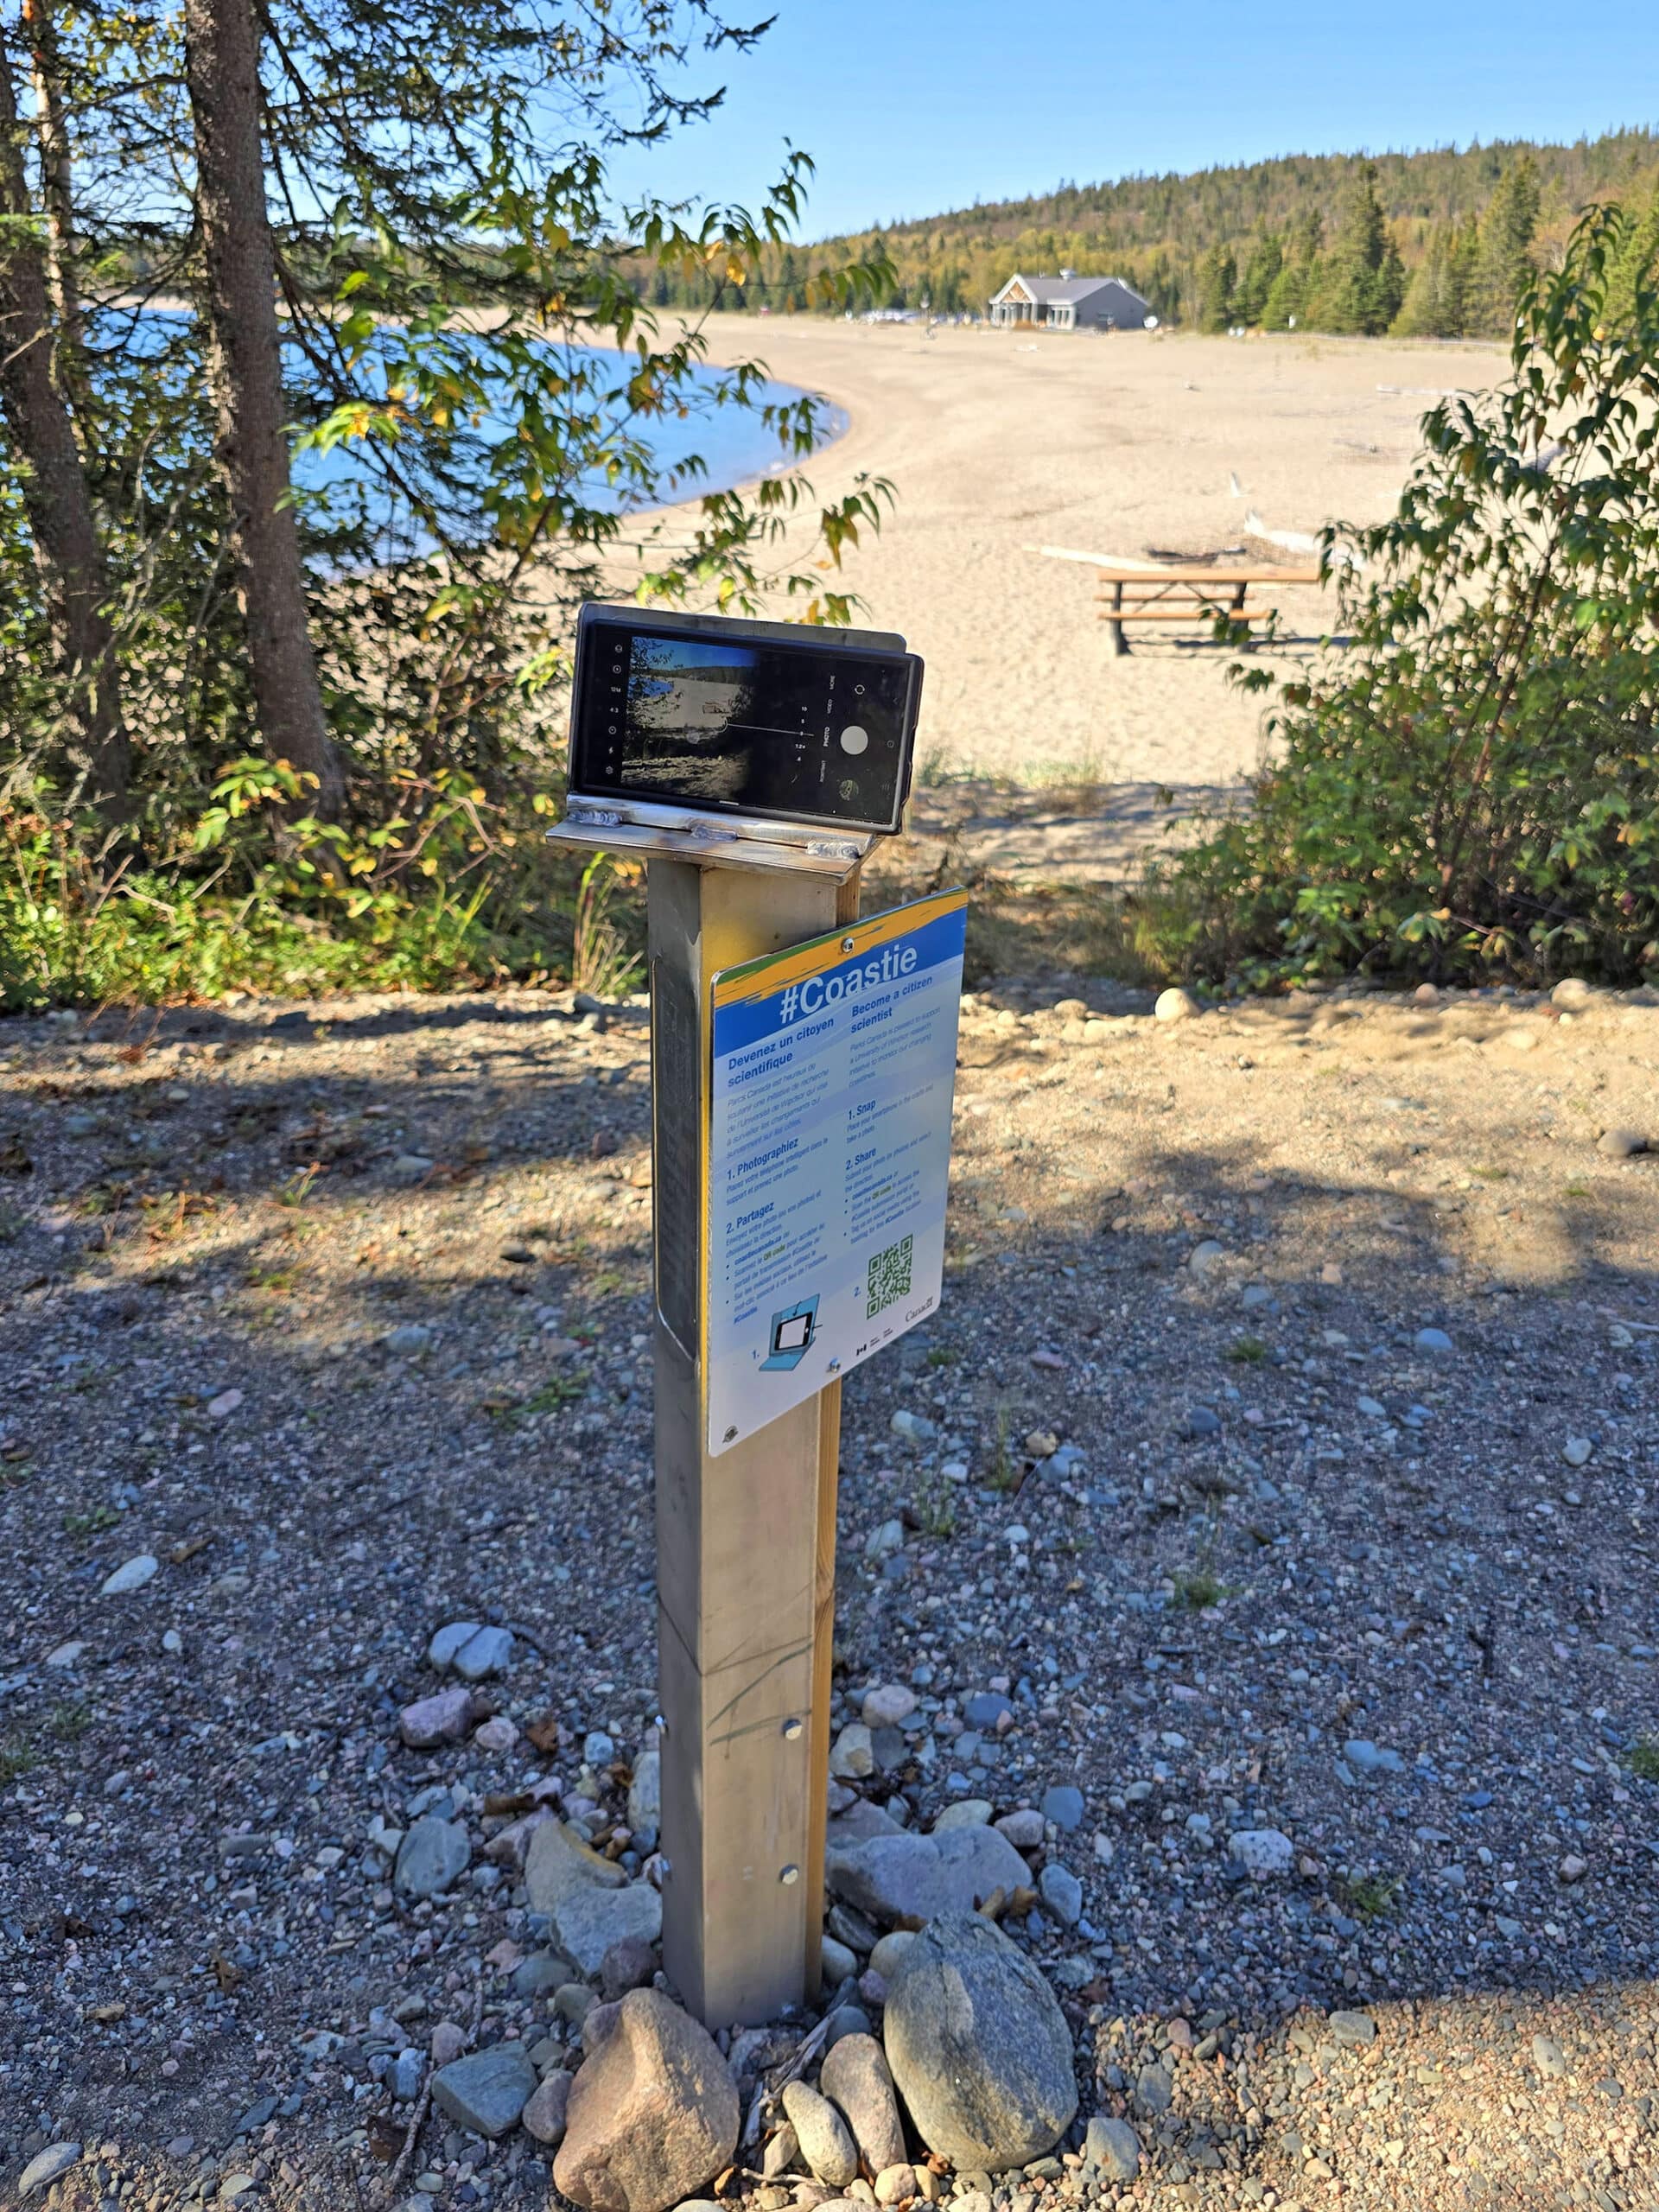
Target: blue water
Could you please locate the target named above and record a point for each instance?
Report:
(734, 445)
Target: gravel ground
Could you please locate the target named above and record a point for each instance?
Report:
(338, 1316)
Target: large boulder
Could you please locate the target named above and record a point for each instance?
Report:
(978, 2046)
(914, 1879)
(653, 2113)
(856, 2079)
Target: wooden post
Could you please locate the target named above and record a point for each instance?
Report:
(1116, 646)
(745, 1543)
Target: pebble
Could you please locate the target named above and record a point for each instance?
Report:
(915, 1428)
(1204, 1259)
(49, 2166)
(1062, 1892)
(1154, 2089)
(884, 1959)
(497, 1734)
(855, 2078)
(1366, 1757)
(132, 1575)
(444, 1718)
(852, 1757)
(487, 1652)
(1025, 1828)
(837, 1962)
(1175, 1005)
(1621, 1144)
(888, 1706)
(446, 1641)
(984, 1708)
(1548, 2057)
(1064, 1805)
(409, 1337)
(1577, 1450)
(589, 1921)
(224, 1405)
(966, 1813)
(1353, 2030)
(1433, 1340)
(543, 2116)
(825, 2140)
(433, 1854)
(64, 1655)
(487, 2090)
(1112, 2147)
(1262, 1851)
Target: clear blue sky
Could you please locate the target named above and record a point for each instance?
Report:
(912, 106)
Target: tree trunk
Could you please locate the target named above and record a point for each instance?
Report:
(57, 184)
(222, 66)
(59, 508)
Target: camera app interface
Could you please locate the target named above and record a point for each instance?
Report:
(716, 725)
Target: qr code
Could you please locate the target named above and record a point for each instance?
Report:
(889, 1277)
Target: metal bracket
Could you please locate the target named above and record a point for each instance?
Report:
(674, 833)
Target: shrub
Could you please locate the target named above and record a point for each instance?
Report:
(1469, 782)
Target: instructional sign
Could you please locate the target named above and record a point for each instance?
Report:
(829, 1153)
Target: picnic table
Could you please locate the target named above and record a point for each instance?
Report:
(1194, 593)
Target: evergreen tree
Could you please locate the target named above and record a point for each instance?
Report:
(1218, 274)
(1507, 231)
(1437, 300)
(1260, 272)
(1638, 263)
(1360, 285)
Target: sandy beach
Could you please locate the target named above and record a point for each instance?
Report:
(998, 442)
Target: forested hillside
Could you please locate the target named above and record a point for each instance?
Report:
(1435, 243)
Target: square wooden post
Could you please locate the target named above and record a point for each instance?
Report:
(746, 1541)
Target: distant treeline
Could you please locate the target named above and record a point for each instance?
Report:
(1432, 244)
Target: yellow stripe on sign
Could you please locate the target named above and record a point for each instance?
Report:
(758, 979)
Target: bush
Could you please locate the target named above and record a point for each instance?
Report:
(1469, 784)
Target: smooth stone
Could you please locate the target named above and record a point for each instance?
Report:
(1062, 1892)
(966, 1813)
(131, 1576)
(405, 2075)
(653, 2114)
(48, 2166)
(1548, 2057)
(1434, 1340)
(915, 1428)
(825, 2140)
(896, 2184)
(1175, 1005)
(1064, 1805)
(559, 1863)
(1112, 2147)
(1366, 1757)
(845, 2020)
(1204, 1258)
(487, 2090)
(544, 2117)
(1154, 2089)
(446, 1641)
(645, 1795)
(627, 1965)
(984, 1708)
(487, 1652)
(433, 1854)
(1621, 1144)
(1353, 2030)
(781, 2151)
(598, 2026)
(862, 1818)
(854, 2076)
(1572, 991)
(838, 1962)
(1024, 1829)
(906, 1877)
(589, 1921)
(541, 1970)
(884, 1959)
(408, 1338)
(444, 1718)
(1262, 1851)
(1577, 1451)
(852, 1758)
(888, 1706)
(979, 2049)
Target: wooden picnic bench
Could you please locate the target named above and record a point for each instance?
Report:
(1186, 595)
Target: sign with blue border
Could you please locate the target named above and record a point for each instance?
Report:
(829, 1157)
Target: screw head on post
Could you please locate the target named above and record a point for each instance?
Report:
(790, 1876)
(791, 1730)
(848, 943)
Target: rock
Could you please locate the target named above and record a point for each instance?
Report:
(1261, 1850)
(1024, 1829)
(446, 1641)
(781, 2151)
(856, 2079)
(1175, 1005)
(915, 1428)
(1112, 2147)
(627, 1965)
(489, 1652)
(1062, 1892)
(541, 1970)
(884, 1959)
(573, 2001)
(1572, 992)
(1548, 2055)
(1353, 2030)
(979, 2048)
(589, 1921)
(852, 1757)
(1366, 1757)
(653, 2116)
(1572, 1868)
(985, 1708)
(1433, 1340)
(47, 2167)
(966, 1813)
(408, 1338)
(487, 2090)
(131, 1576)
(405, 2076)
(64, 1655)
(846, 2020)
(1255, 1295)
(907, 1878)
(410, 1167)
(559, 1863)
(449, 2041)
(1199, 1422)
(896, 2184)
(543, 2116)
(1577, 1450)
(599, 2025)
(883, 1543)
(433, 1854)
(825, 2140)
(222, 1407)
(837, 1962)
(235, 2186)
(645, 1798)
(1064, 1805)
(1204, 1259)
(1621, 1144)
(888, 1706)
(1154, 2089)
(444, 1718)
